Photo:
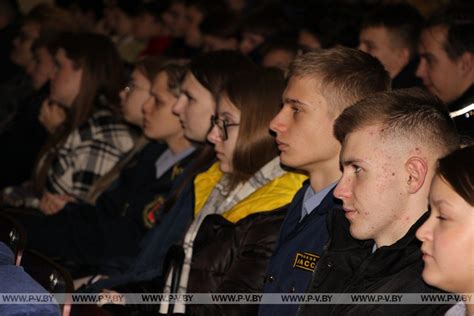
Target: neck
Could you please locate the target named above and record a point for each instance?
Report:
(323, 174)
(463, 88)
(395, 72)
(177, 144)
(401, 224)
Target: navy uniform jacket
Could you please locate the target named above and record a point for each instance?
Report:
(169, 230)
(87, 234)
(299, 247)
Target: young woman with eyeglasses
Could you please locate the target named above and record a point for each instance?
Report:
(239, 201)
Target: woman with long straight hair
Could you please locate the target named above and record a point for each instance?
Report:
(92, 138)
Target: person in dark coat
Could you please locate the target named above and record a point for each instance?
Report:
(447, 63)
(390, 144)
(390, 33)
(303, 129)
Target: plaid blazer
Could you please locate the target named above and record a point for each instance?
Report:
(89, 152)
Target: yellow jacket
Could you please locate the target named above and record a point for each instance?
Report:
(278, 192)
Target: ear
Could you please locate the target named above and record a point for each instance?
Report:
(416, 169)
(466, 63)
(404, 56)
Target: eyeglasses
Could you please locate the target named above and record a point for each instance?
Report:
(131, 86)
(222, 125)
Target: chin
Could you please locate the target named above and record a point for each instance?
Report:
(431, 277)
(288, 162)
(357, 235)
(225, 168)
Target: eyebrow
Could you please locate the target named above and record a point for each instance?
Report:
(226, 115)
(438, 203)
(351, 161)
(427, 55)
(294, 101)
(187, 94)
(154, 94)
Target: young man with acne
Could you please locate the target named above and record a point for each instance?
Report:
(391, 142)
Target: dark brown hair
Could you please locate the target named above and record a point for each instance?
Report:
(213, 69)
(175, 70)
(457, 170)
(402, 21)
(51, 19)
(345, 75)
(410, 113)
(458, 19)
(149, 66)
(257, 94)
(103, 76)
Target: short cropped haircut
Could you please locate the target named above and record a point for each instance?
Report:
(345, 75)
(402, 20)
(406, 113)
(459, 22)
(457, 170)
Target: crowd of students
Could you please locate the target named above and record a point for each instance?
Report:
(273, 147)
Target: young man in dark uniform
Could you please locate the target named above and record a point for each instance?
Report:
(320, 85)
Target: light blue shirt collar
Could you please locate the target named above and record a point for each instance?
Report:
(167, 160)
(311, 199)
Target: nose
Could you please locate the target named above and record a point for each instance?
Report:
(148, 105)
(54, 74)
(277, 124)
(178, 107)
(424, 233)
(342, 190)
(362, 47)
(421, 70)
(122, 95)
(214, 136)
